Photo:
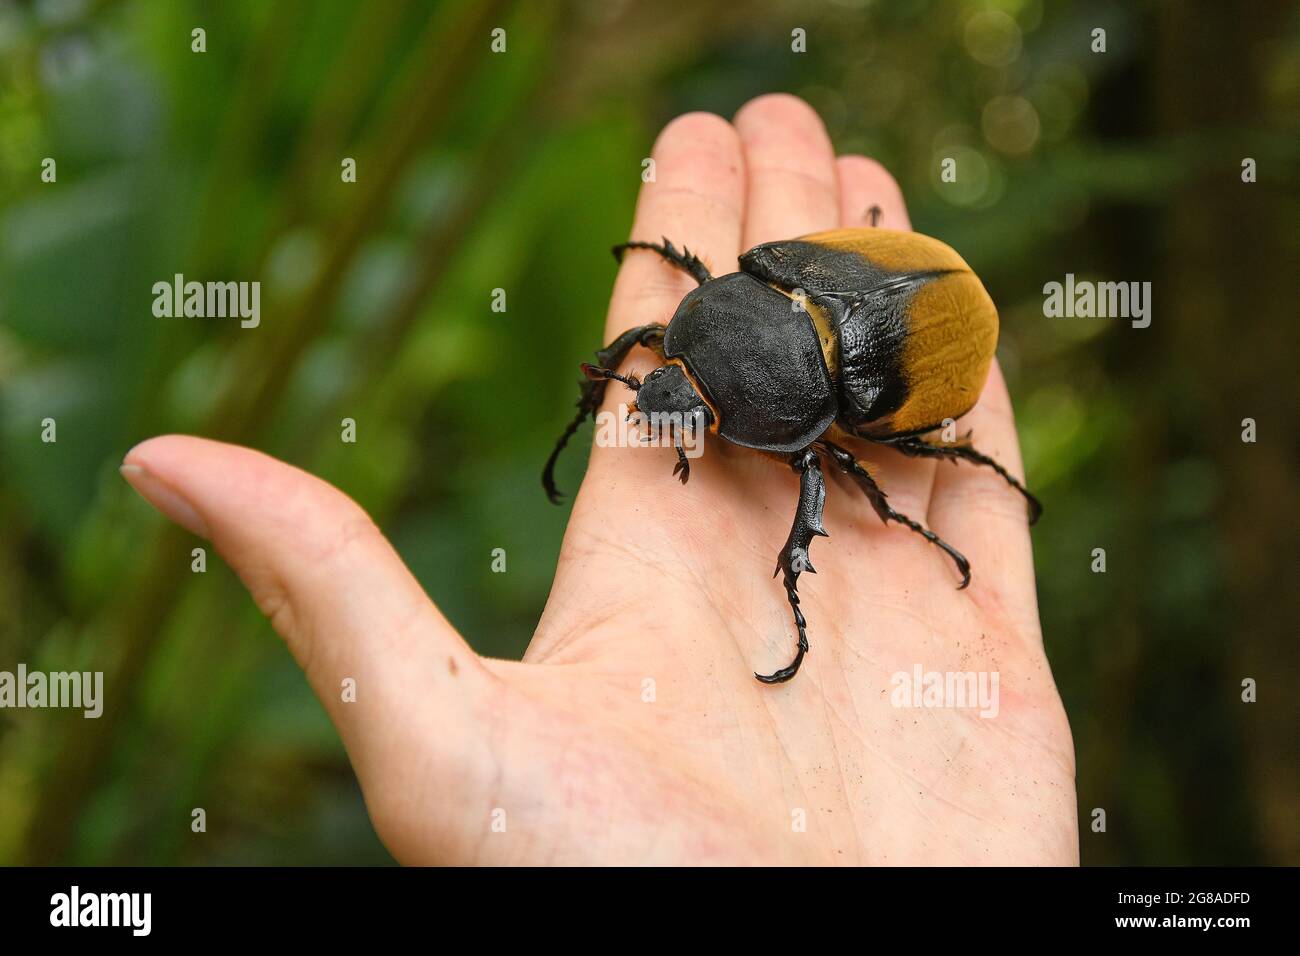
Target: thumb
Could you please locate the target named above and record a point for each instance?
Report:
(332, 586)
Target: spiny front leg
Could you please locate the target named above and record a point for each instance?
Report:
(793, 558)
(593, 390)
(858, 471)
(684, 259)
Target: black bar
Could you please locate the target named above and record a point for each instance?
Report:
(234, 905)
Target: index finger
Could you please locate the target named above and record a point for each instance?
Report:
(694, 200)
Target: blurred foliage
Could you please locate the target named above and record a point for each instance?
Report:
(479, 171)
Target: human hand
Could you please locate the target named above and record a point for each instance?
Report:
(670, 588)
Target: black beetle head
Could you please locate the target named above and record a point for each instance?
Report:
(668, 395)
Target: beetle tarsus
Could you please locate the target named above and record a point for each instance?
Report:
(876, 495)
(683, 259)
(793, 558)
(873, 215)
(962, 451)
(785, 673)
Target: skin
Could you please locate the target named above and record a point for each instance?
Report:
(673, 585)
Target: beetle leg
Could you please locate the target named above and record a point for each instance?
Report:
(683, 259)
(593, 390)
(873, 213)
(920, 448)
(855, 469)
(793, 558)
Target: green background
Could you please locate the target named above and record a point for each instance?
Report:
(479, 171)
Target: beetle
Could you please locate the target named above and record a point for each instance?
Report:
(852, 333)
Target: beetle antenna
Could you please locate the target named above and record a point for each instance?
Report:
(596, 373)
(683, 466)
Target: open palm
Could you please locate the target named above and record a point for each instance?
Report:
(634, 730)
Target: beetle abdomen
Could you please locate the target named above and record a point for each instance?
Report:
(916, 329)
(757, 360)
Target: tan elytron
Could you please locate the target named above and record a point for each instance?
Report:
(952, 326)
